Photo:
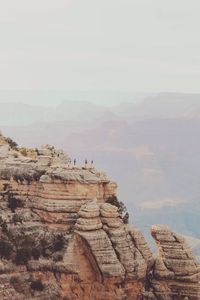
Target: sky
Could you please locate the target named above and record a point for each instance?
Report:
(100, 45)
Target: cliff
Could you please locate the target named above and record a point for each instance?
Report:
(61, 238)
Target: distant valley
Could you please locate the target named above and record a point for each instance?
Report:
(150, 147)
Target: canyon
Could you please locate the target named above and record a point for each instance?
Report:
(63, 235)
(150, 148)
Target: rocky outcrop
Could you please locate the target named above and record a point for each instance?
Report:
(176, 270)
(61, 239)
(110, 242)
(55, 191)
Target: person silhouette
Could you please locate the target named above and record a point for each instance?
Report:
(69, 163)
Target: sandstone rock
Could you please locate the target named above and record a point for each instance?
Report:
(58, 234)
(89, 217)
(94, 225)
(121, 248)
(141, 245)
(112, 222)
(175, 266)
(90, 210)
(109, 211)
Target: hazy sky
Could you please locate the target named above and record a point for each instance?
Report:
(127, 45)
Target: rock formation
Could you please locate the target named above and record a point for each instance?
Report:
(176, 271)
(61, 238)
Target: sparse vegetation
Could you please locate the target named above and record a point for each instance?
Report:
(37, 285)
(14, 202)
(1, 221)
(57, 257)
(17, 219)
(37, 174)
(52, 243)
(27, 174)
(13, 145)
(23, 151)
(121, 208)
(23, 255)
(36, 252)
(5, 248)
(58, 243)
(4, 227)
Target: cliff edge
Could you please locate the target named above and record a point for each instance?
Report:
(61, 237)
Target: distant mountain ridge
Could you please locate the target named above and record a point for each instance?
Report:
(164, 105)
(20, 114)
(151, 148)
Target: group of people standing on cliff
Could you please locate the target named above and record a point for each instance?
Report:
(87, 165)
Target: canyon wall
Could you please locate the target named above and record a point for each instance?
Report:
(63, 236)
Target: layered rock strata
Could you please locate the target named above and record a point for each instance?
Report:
(176, 271)
(61, 239)
(54, 191)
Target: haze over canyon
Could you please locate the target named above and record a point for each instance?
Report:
(148, 144)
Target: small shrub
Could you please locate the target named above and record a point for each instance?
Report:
(46, 246)
(58, 243)
(1, 221)
(14, 203)
(11, 143)
(125, 218)
(6, 187)
(5, 248)
(28, 241)
(37, 285)
(4, 227)
(57, 257)
(23, 256)
(121, 208)
(36, 252)
(23, 151)
(44, 249)
(37, 174)
(17, 219)
(114, 201)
